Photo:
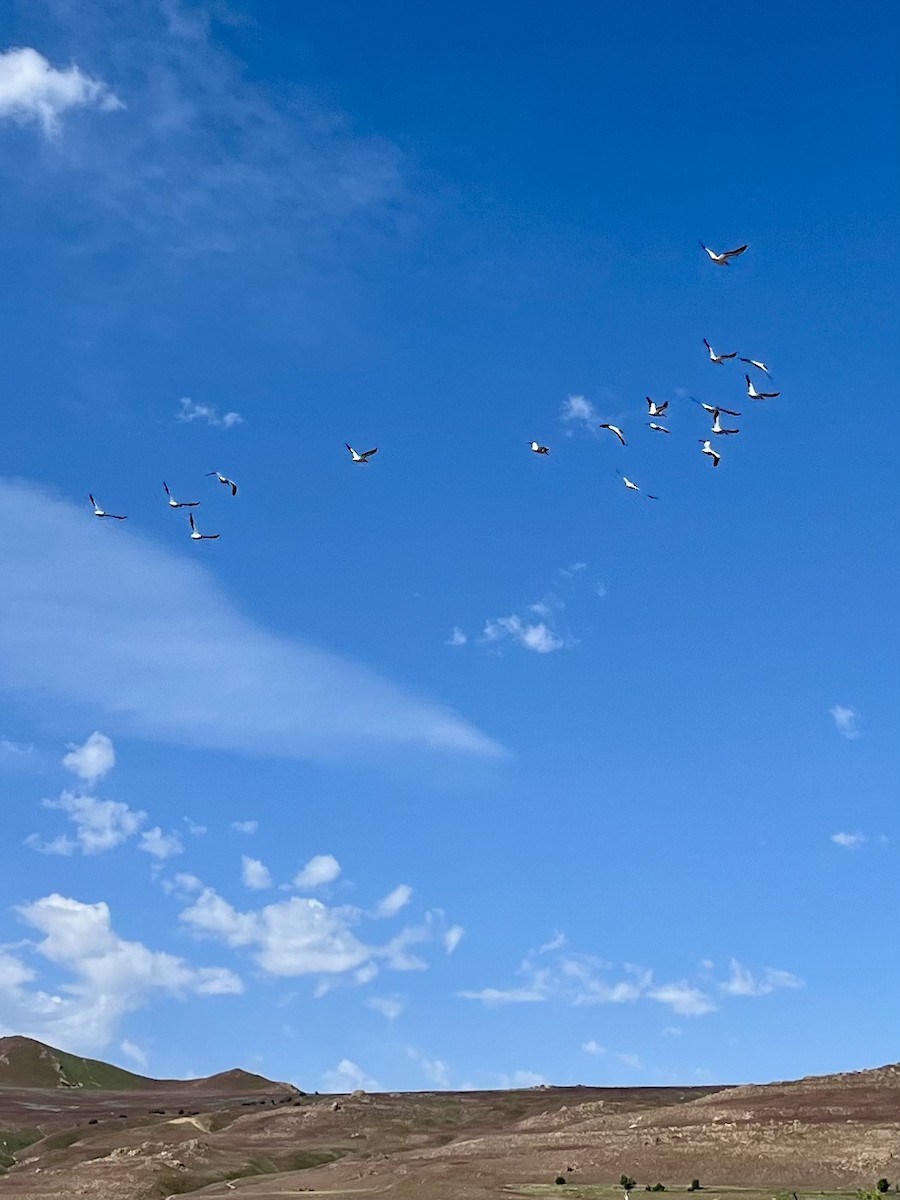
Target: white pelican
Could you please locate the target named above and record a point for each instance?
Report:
(656, 410)
(360, 458)
(721, 260)
(616, 430)
(98, 511)
(227, 482)
(537, 448)
(707, 449)
(716, 408)
(633, 487)
(717, 426)
(197, 535)
(717, 358)
(658, 428)
(761, 366)
(755, 395)
(173, 503)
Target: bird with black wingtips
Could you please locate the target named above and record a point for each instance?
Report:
(717, 358)
(654, 409)
(363, 457)
(173, 503)
(197, 536)
(708, 449)
(755, 395)
(223, 479)
(99, 512)
(614, 429)
(759, 364)
(537, 448)
(723, 259)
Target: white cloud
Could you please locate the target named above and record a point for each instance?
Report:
(32, 90)
(683, 999)
(845, 721)
(850, 841)
(578, 408)
(193, 828)
(255, 875)
(391, 904)
(434, 1070)
(535, 994)
(366, 973)
(245, 826)
(555, 943)
(191, 412)
(321, 869)
(631, 1060)
(110, 976)
(134, 1052)
(348, 1076)
(301, 936)
(100, 825)
(389, 1006)
(457, 637)
(540, 638)
(452, 937)
(742, 982)
(593, 1047)
(14, 753)
(160, 845)
(80, 621)
(93, 760)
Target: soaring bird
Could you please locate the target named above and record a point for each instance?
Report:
(716, 408)
(198, 536)
(658, 428)
(537, 448)
(173, 503)
(761, 366)
(98, 511)
(360, 458)
(614, 429)
(717, 426)
(227, 482)
(633, 487)
(717, 358)
(722, 260)
(707, 449)
(656, 410)
(755, 395)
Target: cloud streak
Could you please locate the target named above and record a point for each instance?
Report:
(81, 621)
(31, 90)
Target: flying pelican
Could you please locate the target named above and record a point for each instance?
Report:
(707, 449)
(656, 410)
(98, 511)
(198, 536)
(633, 487)
(755, 362)
(755, 395)
(716, 408)
(717, 358)
(717, 427)
(173, 503)
(537, 448)
(360, 458)
(721, 260)
(616, 430)
(659, 428)
(227, 482)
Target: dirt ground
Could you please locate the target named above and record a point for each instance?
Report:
(829, 1135)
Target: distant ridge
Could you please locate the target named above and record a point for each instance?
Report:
(26, 1063)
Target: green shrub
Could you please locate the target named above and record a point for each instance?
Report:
(560, 1179)
(626, 1182)
(882, 1185)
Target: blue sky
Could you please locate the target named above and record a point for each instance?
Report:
(468, 767)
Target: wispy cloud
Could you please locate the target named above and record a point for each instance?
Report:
(537, 637)
(391, 904)
(452, 937)
(348, 1076)
(434, 1069)
(389, 1006)
(32, 90)
(160, 845)
(850, 841)
(457, 637)
(578, 410)
(134, 1052)
(254, 874)
(245, 826)
(207, 413)
(80, 621)
(743, 982)
(109, 976)
(845, 721)
(593, 1047)
(93, 760)
(100, 825)
(683, 999)
(321, 869)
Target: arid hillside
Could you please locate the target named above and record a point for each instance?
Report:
(237, 1132)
